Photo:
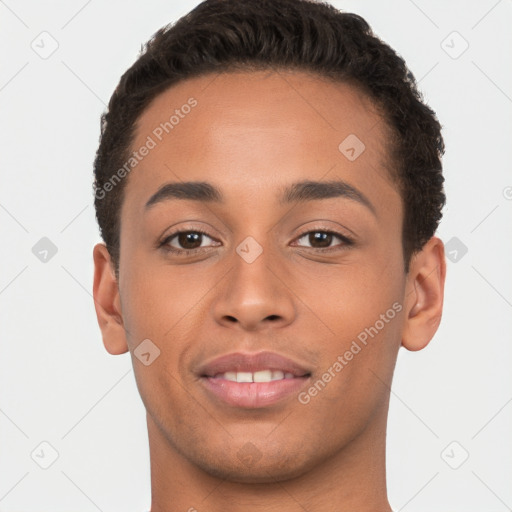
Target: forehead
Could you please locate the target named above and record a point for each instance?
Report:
(248, 131)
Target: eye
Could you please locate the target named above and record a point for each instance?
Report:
(187, 241)
(321, 239)
(192, 241)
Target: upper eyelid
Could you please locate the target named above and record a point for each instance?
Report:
(169, 237)
(321, 230)
(344, 238)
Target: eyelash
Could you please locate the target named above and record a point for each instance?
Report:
(347, 241)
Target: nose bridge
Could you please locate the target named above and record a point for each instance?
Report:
(253, 296)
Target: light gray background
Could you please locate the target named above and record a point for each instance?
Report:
(59, 385)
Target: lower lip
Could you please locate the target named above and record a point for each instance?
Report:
(253, 395)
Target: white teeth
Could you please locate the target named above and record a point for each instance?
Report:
(259, 376)
(244, 377)
(262, 376)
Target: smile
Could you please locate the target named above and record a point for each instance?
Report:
(255, 380)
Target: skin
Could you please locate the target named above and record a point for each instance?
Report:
(250, 135)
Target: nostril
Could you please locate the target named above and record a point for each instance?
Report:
(273, 317)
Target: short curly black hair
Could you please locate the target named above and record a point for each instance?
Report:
(307, 35)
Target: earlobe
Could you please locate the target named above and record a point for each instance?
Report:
(424, 295)
(107, 302)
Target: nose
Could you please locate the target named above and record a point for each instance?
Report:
(254, 296)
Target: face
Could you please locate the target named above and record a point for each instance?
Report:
(255, 276)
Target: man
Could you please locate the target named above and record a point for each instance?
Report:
(268, 185)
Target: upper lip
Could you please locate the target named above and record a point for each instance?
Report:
(251, 362)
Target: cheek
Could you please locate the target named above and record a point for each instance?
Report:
(166, 306)
(357, 316)
(353, 379)
(158, 308)
(345, 299)
(155, 297)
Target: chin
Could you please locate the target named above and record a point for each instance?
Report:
(247, 465)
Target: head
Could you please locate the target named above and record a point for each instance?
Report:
(265, 125)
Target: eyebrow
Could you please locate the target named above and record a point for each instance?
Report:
(306, 190)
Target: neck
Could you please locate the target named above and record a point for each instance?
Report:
(353, 478)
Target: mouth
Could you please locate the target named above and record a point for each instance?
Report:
(252, 380)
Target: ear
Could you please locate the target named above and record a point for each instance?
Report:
(107, 302)
(424, 295)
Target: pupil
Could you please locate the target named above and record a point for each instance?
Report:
(187, 240)
(323, 238)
